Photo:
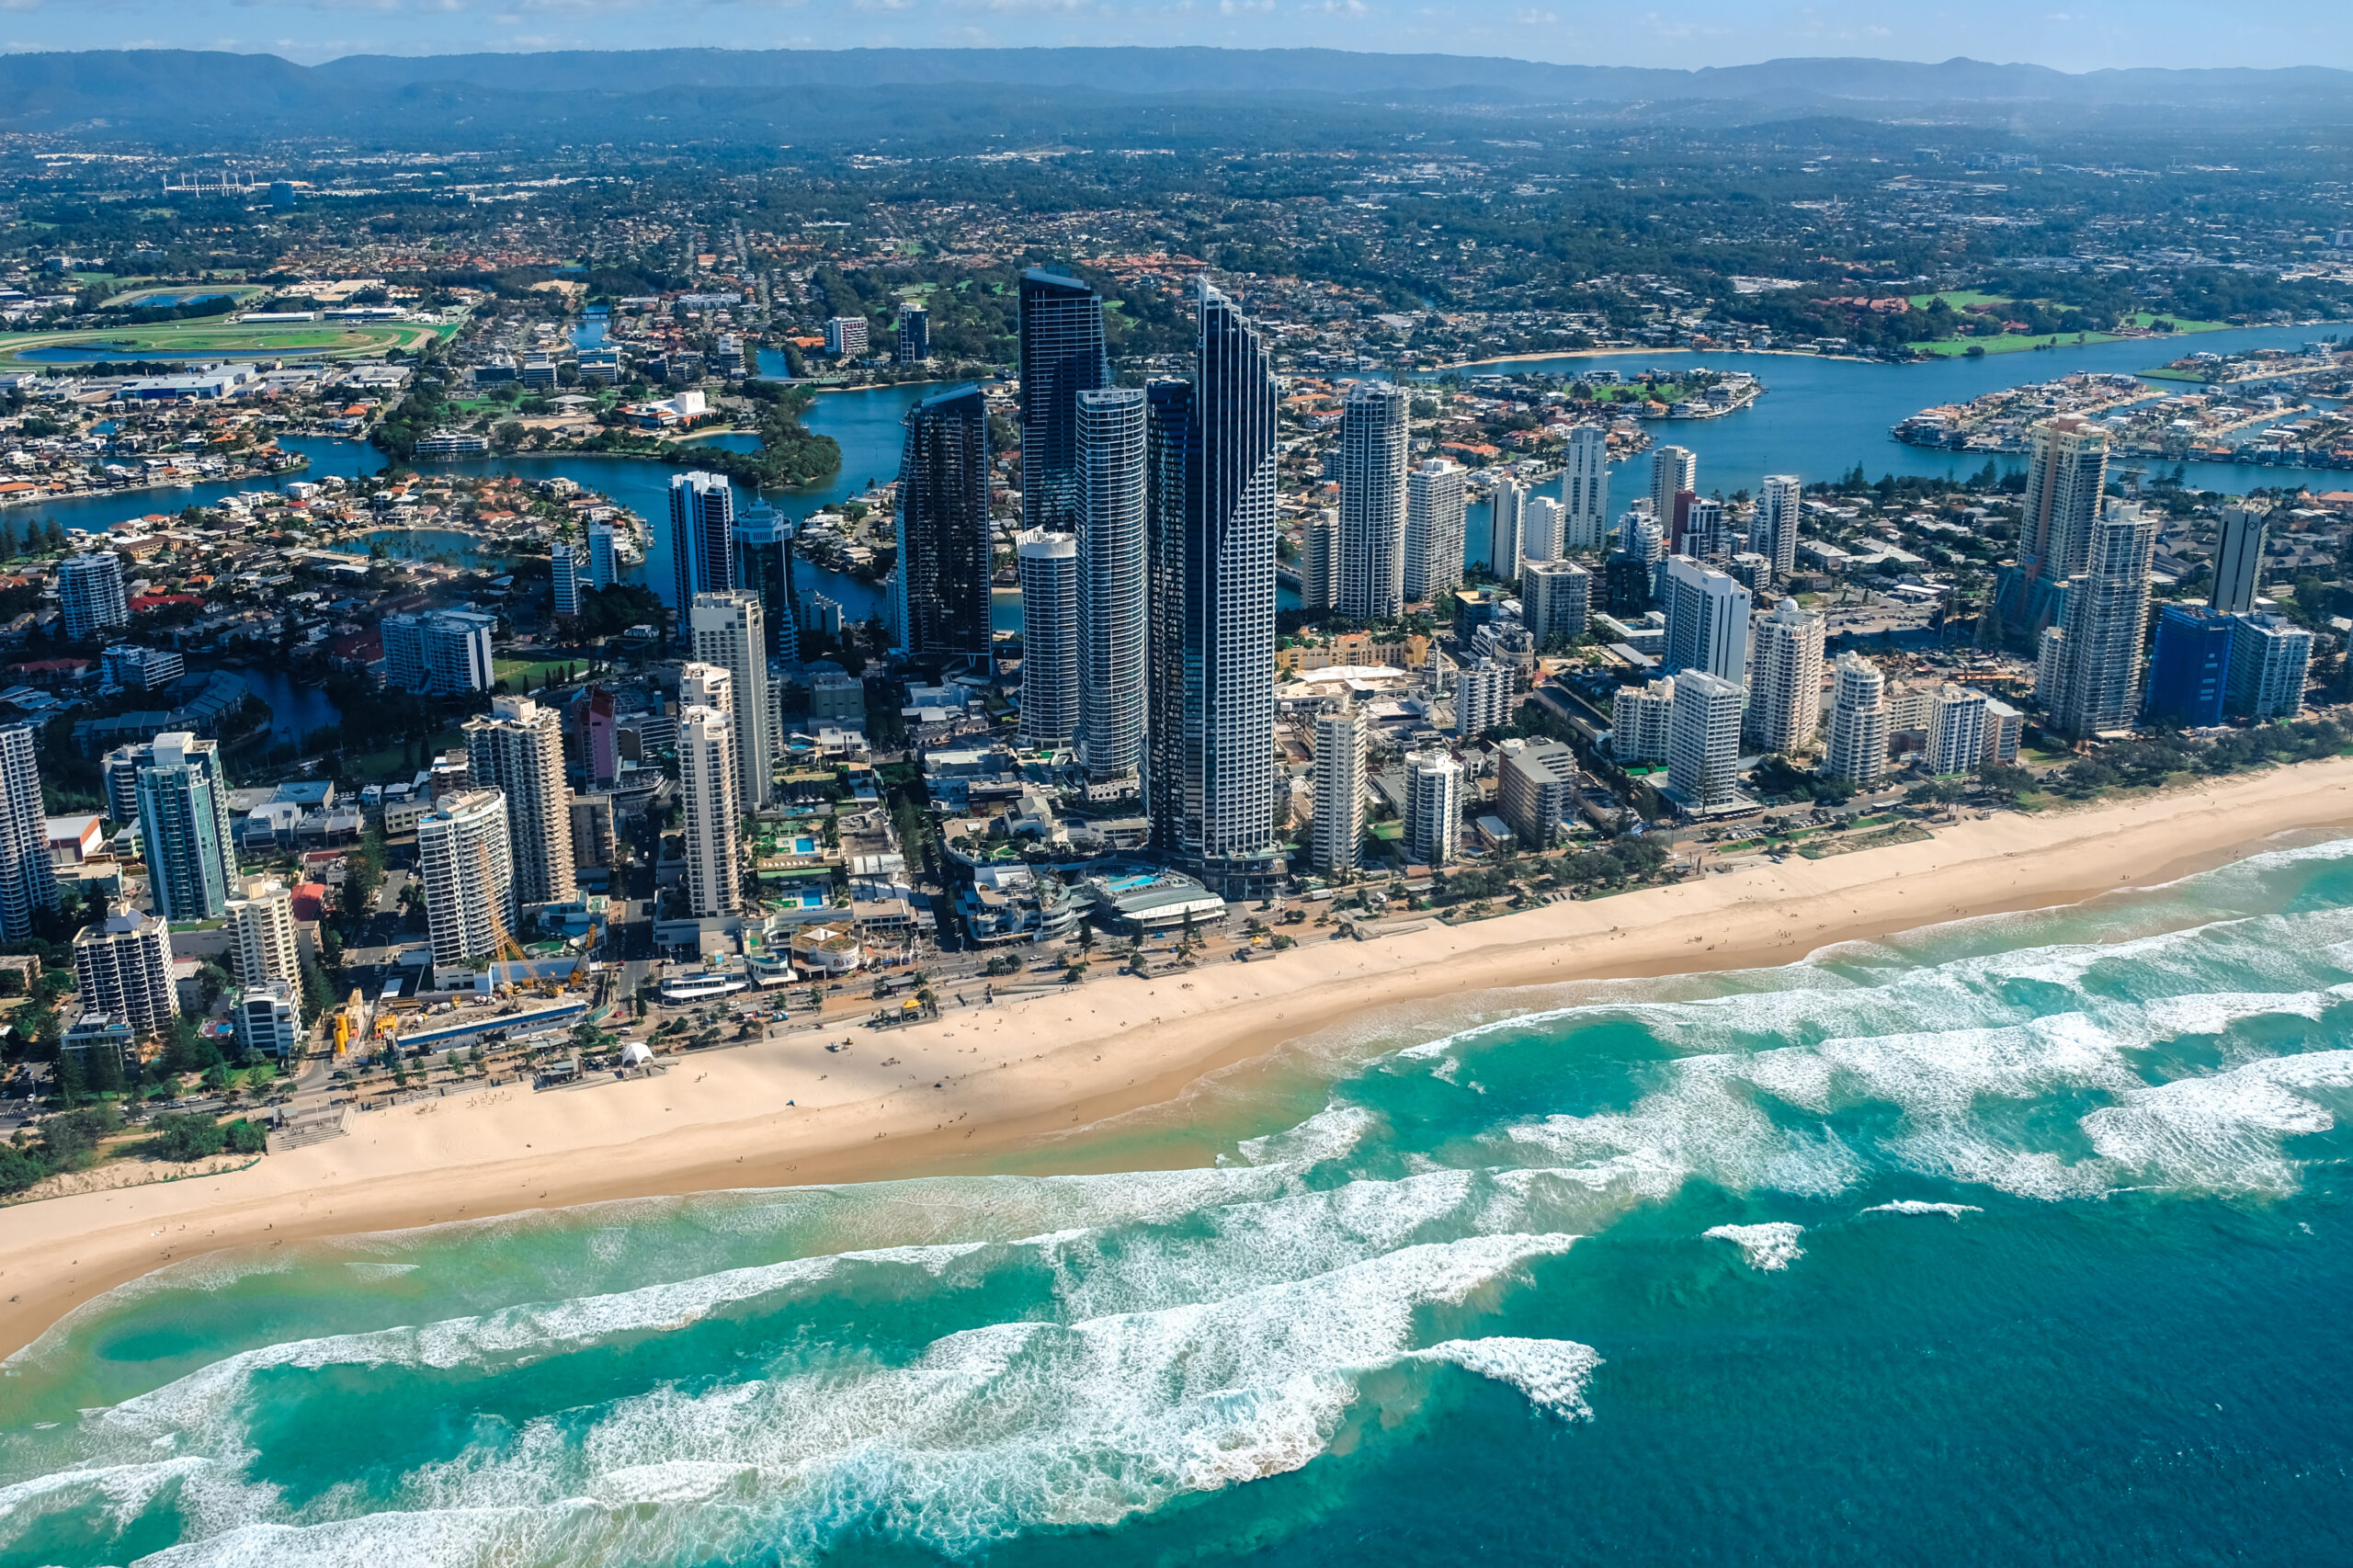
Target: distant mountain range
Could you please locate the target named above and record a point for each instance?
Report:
(752, 95)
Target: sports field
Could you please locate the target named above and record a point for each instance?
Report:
(189, 339)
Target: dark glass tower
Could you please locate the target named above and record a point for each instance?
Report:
(943, 531)
(1168, 427)
(1062, 356)
(1213, 608)
(702, 539)
(764, 564)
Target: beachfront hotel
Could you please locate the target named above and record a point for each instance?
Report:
(465, 859)
(707, 775)
(1113, 514)
(518, 749)
(728, 630)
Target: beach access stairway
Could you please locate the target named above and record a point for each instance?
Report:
(303, 1124)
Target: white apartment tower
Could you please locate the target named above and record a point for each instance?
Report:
(730, 630)
(604, 567)
(1433, 808)
(1047, 567)
(1482, 698)
(564, 564)
(1434, 512)
(1673, 471)
(28, 881)
(1858, 747)
(1585, 489)
(1703, 739)
(518, 749)
(1556, 597)
(1339, 791)
(707, 777)
(464, 852)
(262, 930)
(1319, 560)
(123, 967)
(1374, 442)
(1547, 525)
(1773, 530)
(2066, 475)
(1639, 716)
(1111, 610)
(89, 594)
(1785, 679)
(1707, 621)
(2094, 675)
(1957, 720)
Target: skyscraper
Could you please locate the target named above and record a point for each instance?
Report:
(1168, 425)
(1639, 717)
(1226, 609)
(2067, 474)
(1674, 470)
(1339, 791)
(1703, 739)
(1506, 528)
(915, 334)
(1546, 526)
(2270, 657)
(1557, 598)
(439, 652)
(1374, 444)
(1535, 790)
(1585, 489)
(2190, 672)
(518, 749)
(1957, 720)
(1111, 579)
(1785, 679)
(1482, 698)
(1858, 748)
(2095, 673)
(1062, 356)
(262, 941)
(2238, 556)
(1433, 808)
(943, 531)
(184, 826)
(122, 967)
(1048, 564)
(464, 855)
(1434, 514)
(1773, 531)
(89, 594)
(1707, 621)
(702, 538)
(763, 566)
(27, 882)
(604, 568)
(728, 631)
(707, 775)
(1319, 559)
(563, 565)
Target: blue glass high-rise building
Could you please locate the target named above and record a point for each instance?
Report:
(942, 580)
(1213, 588)
(1062, 356)
(2190, 672)
(702, 539)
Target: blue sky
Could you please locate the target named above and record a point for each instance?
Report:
(2071, 34)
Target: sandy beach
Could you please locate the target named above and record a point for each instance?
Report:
(980, 1084)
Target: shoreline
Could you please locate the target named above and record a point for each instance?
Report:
(974, 1089)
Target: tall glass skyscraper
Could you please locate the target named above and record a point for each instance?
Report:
(1221, 815)
(1111, 528)
(764, 564)
(1168, 428)
(1062, 356)
(702, 538)
(184, 822)
(943, 531)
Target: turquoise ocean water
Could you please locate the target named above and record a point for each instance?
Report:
(2022, 1240)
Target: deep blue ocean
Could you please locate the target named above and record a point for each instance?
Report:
(2022, 1240)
